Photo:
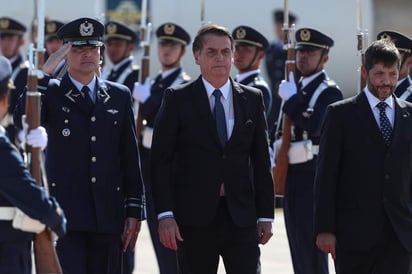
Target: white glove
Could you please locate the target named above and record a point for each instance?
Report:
(141, 91)
(37, 137)
(288, 88)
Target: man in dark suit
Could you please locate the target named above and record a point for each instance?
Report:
(92, 159)
(250, 46)
(172, 42)
(120, 41)
(404, 45)
(306, 106)
(18, 190)
(11, 40)
(363, 196)
(211, 179)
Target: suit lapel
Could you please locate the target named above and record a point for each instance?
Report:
(72, 94)
(402, 121)
(239, 108)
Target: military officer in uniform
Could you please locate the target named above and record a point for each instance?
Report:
(404, 45)
(92, 159)
(120, 42)
(250, 46)
(53, 43)
(18, 190)
(172, 41)
(11, 40)
(306, 106)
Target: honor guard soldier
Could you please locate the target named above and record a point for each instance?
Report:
(20, 193)
(404, 45)
(306, 104)
(11, 40)
(172, 41)
(250, 46)
(120, 42)
(92, 158)
(53, 43)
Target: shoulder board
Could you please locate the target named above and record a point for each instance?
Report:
(186, 76)
(330, 83)
(135, 67)
(24, 64)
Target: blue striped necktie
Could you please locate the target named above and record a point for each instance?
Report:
(220, 118)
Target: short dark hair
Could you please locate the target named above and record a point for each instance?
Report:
(382, 52)
(210, 29)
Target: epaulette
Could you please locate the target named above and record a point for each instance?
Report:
(135, 67)
(186, 77)
(24, 65)
(330, 83)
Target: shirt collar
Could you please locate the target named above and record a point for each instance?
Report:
(168, 72)
(79, 86)
(242, 76)
(2, 130)
(373, 101)
(224, 89)
(307, 80)
(121, 63)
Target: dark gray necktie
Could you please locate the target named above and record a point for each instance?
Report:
(220, 118)
(86, 94)
(385, 124)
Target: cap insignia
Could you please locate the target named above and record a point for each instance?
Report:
(240, 33)
(169, 29)
(86, 29)
(386, 36)
(51, 27)
(305, 35)
(4, 23)
(111, 28)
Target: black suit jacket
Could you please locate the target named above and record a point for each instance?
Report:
(359, 179)
(189, 164)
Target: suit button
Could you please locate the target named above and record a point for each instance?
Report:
(93, 159)
(93, 180)
(66, 121)
(93, 138)
(93, 119)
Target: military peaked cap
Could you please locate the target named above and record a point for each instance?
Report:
(311, 39)
(172, 32)
(118, 30)
(249, 36)
(82, 32)
(11, 26)
(279, 16)
(402, 42)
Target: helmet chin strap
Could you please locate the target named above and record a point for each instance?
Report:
(253, 59)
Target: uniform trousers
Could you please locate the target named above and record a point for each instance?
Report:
(238, 246)
(298, 213)
(90, 253)
(387, 257)
(15, 257)
(166, 258)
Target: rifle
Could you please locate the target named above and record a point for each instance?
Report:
(282, 160)
(145, 31)
(46, 259)
(362, 40)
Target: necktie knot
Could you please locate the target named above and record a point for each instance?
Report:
(86, 93)
(217, 93)
(382, 106)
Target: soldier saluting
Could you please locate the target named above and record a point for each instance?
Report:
(92, 158)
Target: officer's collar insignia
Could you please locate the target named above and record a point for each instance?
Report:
(305, 35)
(111, 28)
(240, 33)
(169, 29)
(4, 23)
(66, 109)
(104, 95)
(86, 29)
(51, 27)
(112, 111)
(70, 95)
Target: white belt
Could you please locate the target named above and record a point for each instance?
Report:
(7, 213)
(315, 149)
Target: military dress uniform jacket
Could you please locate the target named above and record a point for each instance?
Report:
(404, 89)
(127, 74)
(359, 179)
(151, 106)
(18, 189)
(92, 160)
(303, 118)
(189, 163)
(256, 80)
